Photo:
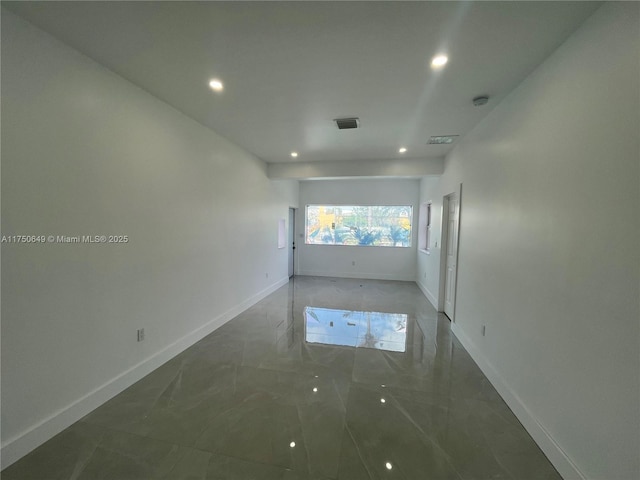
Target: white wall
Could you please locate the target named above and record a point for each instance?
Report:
(549, 239)
(428, 265)
(397, 167)
(84, 152)
(387, 263)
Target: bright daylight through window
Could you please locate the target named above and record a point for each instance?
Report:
(370, 225)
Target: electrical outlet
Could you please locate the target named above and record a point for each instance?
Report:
(140, 334)
(353, 263)
(484, 330)
(266, 275)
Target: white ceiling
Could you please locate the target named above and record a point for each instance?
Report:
(290, 68)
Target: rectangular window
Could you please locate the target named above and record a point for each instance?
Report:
(424, 231)
(359, 225)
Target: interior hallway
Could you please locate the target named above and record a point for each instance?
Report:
(257, 400)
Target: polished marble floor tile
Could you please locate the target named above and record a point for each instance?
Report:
(302, 386)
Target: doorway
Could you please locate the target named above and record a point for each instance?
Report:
(449, 254)
(292, 240)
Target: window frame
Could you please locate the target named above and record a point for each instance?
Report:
(408, 242)
(424, 232)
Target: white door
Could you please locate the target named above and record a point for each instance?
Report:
(452, 257)
(292, 239)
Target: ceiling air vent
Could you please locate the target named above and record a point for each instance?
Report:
(346, 123)
(442, 140)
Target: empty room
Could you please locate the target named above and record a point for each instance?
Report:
(320, 240)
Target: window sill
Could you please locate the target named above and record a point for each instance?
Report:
(425, 251)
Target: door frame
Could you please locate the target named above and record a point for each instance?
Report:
(444, 234)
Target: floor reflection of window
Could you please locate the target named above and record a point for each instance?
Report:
(383, 331)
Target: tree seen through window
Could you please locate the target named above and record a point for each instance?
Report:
(359, 225)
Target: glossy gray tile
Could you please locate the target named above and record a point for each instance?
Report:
(85, 452)
(270, 395)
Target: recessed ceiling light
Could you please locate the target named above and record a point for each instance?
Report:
(402, 150)
(292, 444)
(388, 465)
(216, 85)
(294, 154)
(439, 61)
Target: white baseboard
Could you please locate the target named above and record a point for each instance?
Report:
(560, 460)
(367, 276)
(18, 446)
(430, 296)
